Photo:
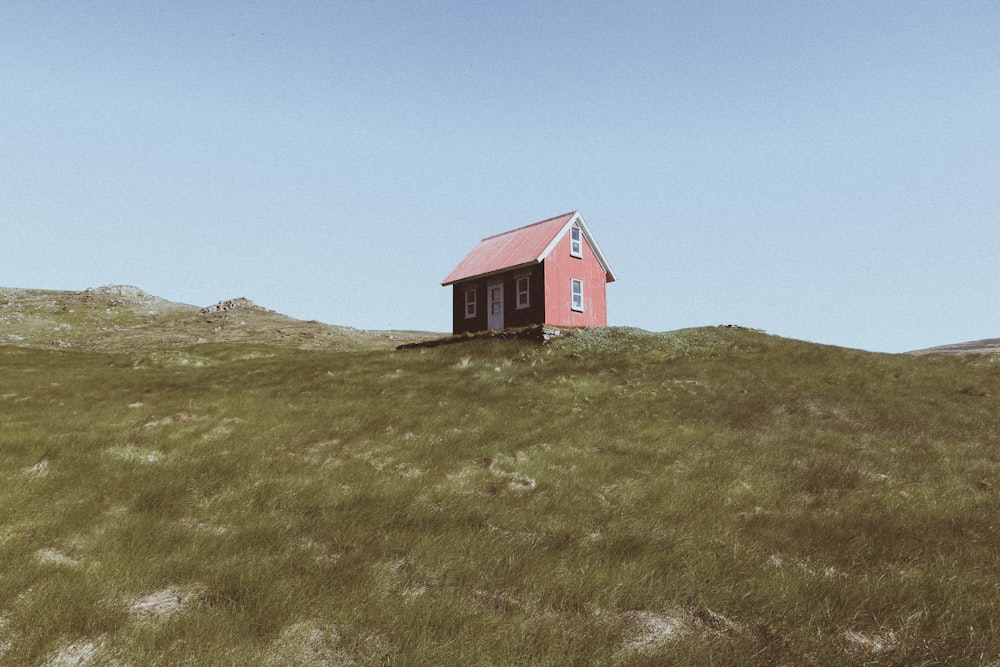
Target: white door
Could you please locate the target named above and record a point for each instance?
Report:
(494, 319)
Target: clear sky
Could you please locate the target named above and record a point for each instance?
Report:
(823, 171)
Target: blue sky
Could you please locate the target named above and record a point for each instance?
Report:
(824, 171)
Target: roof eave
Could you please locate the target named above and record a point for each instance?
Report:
(506, 269)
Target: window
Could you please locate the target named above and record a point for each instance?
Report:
(575, 242)
(576, 287)
(470, 302)
(522, 286)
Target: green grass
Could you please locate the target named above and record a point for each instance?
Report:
(707, 496)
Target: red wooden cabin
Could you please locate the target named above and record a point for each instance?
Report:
(551, 272)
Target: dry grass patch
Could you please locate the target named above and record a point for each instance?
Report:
(164, 603)
(5, 640)
(205, 527)
(50, 556)
(178, 418)
(652, 631)
(80, 653)
(489, 475)
(308, 644)
(135, 454)
(40, 469)
(869, 645)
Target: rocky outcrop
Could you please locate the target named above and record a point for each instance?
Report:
(230, 304)
(118, 295)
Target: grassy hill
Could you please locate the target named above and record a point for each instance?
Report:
(614, 497)
(123, 318)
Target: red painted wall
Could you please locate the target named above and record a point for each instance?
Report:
(560, 267)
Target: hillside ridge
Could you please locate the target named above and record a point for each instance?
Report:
(985, 346)
(120, 317)
(123, 317)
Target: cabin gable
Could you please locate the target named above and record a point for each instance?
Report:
(575, 283)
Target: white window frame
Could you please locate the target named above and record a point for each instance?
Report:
(470, 302)
(523, 295)
(576, 294)
(575, 242)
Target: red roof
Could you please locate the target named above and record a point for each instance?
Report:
(523, 246)
(519, 247)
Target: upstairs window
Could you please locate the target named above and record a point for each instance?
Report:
(470, 302)
(575, 242)
(576, 288)
(522, 285)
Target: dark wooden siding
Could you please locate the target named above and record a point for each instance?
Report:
(459, 322)
(513, 317)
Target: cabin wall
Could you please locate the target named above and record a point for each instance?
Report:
(559, 268)
(512, 315)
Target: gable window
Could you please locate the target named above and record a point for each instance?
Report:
(470, 302)
(522, 285)
(576, 288)
(575, 242)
